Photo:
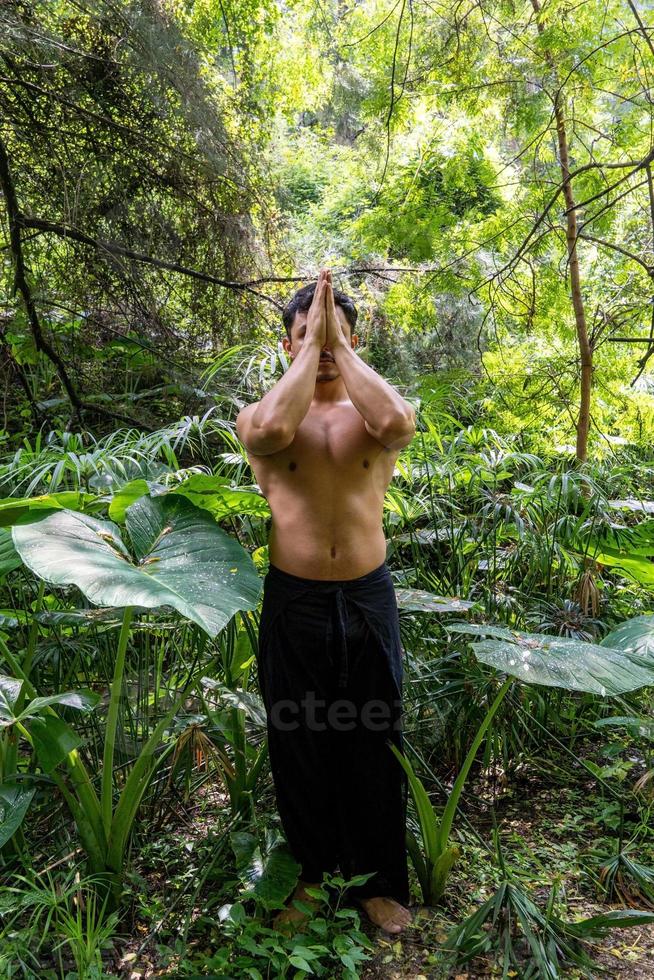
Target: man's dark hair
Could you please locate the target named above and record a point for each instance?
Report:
(302, 299)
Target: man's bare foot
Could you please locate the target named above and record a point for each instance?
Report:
(291, 915)
(386, 912)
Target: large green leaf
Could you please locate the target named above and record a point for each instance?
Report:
(629, 540)
(640, 569)
(278, 877)
(271, 881)
(416, 600)
(53, 740)
(125, 497)
(212, 493)
(221, 500)
(628, 549)
(634, 636)
(14, 802)
(13, 508)
(10, 687)
(638, 727)
(632, 503)
(80, 700)
(599, 925)
(183, 560)
(560, 661)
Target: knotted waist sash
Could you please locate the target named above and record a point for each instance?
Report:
(374, 596)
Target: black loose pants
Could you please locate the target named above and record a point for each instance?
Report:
(330, 674)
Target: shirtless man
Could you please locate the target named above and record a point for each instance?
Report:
(322, 444)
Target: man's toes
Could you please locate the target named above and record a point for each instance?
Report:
(399, 920)
(392, 925)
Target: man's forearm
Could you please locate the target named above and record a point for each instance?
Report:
(285, 405)
(388, 417)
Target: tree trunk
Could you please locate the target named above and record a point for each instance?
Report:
(585, 348)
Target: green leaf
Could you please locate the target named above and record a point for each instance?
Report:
(636, 540)
(641, 570)
(14, 803)
(429, 823)
(634, 636)
(81, 700)
(13, 509)
(273, 880)
(9, 691)
(78, 617)
(185, 560)
(9, 557)
(53, 740)
(633, 504)
(481, 629)
(599, 925)
(300, 963)
(210, 493)
(558, 661)
(244, 846)
(641, 727)
(418, 601)
(125, 497)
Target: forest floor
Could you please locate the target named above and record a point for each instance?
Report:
(547, 832)
(553, 826)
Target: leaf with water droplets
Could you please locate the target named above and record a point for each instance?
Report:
(635, 636)
(559, 661)
(416, 600)
(183, 556)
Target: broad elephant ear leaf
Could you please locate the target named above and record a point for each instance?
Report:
(558, 661)
(636, 637)
(416, 600)
(184, 560)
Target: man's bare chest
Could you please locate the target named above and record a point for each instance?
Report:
(325, 452)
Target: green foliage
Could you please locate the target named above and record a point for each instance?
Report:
(544, 943)
(60, 919)
(329, 941)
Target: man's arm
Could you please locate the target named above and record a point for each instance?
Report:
(387, 416)
(269, 426)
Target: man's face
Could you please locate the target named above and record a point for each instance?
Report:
(327, 369)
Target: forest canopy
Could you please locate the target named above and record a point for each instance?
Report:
(478, 176)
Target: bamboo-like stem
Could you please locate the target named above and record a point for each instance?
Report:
(106, 794)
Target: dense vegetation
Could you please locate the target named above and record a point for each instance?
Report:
(479, 178)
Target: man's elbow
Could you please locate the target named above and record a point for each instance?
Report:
(398, 430)
(269, 438)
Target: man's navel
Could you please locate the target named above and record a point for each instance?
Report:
(366, 464)
(333, 551)
(292, 466)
